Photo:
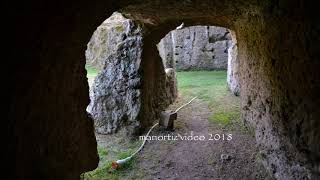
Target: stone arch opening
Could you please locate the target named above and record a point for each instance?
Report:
(115, 47)
(116, 52)
(125, 52)
(157, 23)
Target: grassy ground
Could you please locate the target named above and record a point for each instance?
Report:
(91, 74)
(211, 87)
(113, 148)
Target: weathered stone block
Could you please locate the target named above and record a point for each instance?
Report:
(167, 119)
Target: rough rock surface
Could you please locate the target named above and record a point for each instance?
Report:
(233, 71)
(171, 84)
(116, 99)
(107, 38)
(196, 47)
(115, 93)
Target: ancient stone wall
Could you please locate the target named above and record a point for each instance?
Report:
(195, 48)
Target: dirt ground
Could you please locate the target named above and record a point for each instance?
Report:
(235, 158)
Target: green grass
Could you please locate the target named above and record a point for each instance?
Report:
(91, 71)
(101, 151)
(115, 151)
(91, 74)
(211, 87)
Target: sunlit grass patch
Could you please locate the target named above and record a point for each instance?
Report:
(91, 71)
(112, 153)
(224, 118)
(91, 74)
(211, 86)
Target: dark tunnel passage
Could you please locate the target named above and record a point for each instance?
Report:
(50, 134)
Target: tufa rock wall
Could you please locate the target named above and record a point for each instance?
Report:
(233, 71)
(275, 61)
(115, 93)
(117, 98)
(196, 47)
(108, 37)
